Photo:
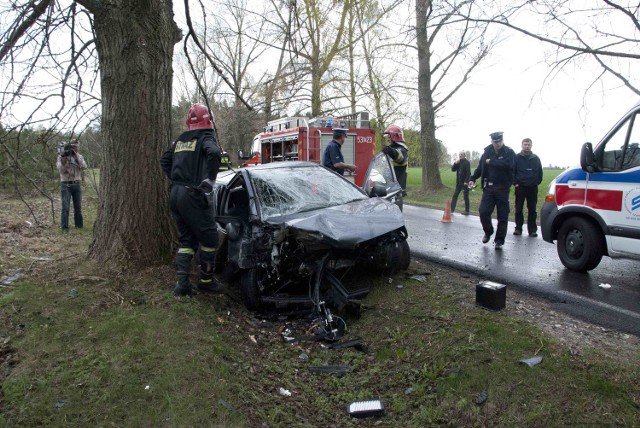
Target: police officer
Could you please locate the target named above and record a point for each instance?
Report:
(332, 157)
(527, 175)
(496, 172)
(192, 164)
(398, 151)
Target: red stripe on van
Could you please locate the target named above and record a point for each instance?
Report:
(568, 196)
(610, 200)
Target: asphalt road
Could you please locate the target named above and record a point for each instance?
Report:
(531, 265)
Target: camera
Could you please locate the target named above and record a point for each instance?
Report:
(66, 149)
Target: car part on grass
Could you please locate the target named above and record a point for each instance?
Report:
(531, 361)
(339, 370)
(365, 409)
(356, 343)
(481, 398)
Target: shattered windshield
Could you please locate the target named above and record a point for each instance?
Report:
(290, 190)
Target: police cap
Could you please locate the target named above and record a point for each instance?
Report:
(496, 136)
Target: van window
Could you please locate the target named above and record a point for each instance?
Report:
(621, 151)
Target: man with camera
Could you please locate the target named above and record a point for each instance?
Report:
(70, 164)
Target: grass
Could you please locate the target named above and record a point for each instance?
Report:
(437, 199)
(83, 345)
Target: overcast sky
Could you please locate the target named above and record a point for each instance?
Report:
(509, 96)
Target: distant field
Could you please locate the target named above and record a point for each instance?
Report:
(437, 200)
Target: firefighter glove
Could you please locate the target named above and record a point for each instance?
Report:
(206, 186)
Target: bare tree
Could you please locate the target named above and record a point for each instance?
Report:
(316, 39)
(133, 43)
(382, 52)
(603, 32)
(368, 62)
(442, 72)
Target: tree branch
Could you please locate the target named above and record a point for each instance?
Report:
(38, 10)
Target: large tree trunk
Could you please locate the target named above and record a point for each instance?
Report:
(429, 145)
(135, 41)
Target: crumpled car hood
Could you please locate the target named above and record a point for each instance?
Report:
(349, 224)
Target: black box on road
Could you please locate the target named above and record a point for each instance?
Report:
(491, 295)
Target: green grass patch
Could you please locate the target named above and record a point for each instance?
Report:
(83, 345)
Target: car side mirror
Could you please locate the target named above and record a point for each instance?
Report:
(242, 156)
(587, 158)
(378, 190)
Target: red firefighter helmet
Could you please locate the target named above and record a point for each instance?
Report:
(395, 133)
(199, 117)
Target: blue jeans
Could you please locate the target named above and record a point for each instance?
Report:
(68, 192)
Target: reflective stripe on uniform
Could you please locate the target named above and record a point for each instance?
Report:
(190, 251)
(208, 249)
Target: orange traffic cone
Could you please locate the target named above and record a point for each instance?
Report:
(446, 218)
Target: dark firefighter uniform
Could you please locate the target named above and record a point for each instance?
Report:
(496, 179)
(399, 154)
(193, 159)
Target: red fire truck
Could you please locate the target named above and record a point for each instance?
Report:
(301, 138)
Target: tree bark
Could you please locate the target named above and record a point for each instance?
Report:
(430, 149)
(134, 41)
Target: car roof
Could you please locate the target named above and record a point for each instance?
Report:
(287, 164)
(224, 177)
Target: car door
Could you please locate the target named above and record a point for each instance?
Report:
(614, 189)
(380, 172)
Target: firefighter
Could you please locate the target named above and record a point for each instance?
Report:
(398, 151)
(192, 164)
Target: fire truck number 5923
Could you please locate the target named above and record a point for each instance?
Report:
(365, 140)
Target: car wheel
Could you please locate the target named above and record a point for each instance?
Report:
(394, 259)
(249, 290)
(580, 244)
(406, 255)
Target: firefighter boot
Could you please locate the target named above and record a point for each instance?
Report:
(183, 266)
(207, 283)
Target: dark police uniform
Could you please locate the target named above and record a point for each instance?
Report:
(333, 155)
(399, 154)
(463, 168)
(497, 177)
(527, 175)
(194, 157)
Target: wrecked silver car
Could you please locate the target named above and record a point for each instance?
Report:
(285, 228)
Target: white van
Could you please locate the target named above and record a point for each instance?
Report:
(594, 210)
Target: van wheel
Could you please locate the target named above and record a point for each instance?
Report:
(249, 290)
(580, 244)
